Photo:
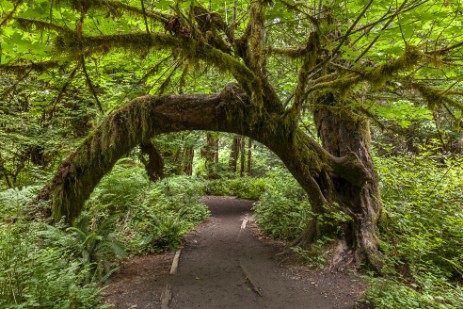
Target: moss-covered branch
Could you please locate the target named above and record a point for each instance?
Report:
(310, 59)
(27, 24)
(33, 66)
(290, 52)
(436, 97)
(186, 47)
(377, 76)
(257, 61)
(116, 8)
(410, 57)
(119, 6)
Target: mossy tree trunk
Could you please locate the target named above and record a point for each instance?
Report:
(347, 134)
(230, 111)
(154, 164)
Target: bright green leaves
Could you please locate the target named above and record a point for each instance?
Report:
(401, 112)
(16, 44)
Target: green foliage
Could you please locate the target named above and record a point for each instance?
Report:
(243, 187)
(391, 294)
(120, 189)
(421, 232)
(170, 210)
(96, 245)
(34, 273)
(154, 216)
(315, 256)
(43, 266)
(12, 201)
(402, 112)
(283, 209)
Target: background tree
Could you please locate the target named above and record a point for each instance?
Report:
(346, 54)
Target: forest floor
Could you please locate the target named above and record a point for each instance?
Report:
(223, 265)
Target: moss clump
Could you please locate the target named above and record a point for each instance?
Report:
(377, 77)
(310, 59)
(436, 97)
(383, 73)
(28, 25)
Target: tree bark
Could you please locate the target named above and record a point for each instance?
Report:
(147, 116)
(346, 134)
(211, 154)
(242, 157)
(154, 166)
(234, 153)
(188, 154)
(249, 159)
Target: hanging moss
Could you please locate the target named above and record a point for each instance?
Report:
(289, 52)
(310, 59)
(36, 67)
(340, 84)
(113, 138)
(256, 49)
(407, 61)
(377, 77)
(187, 47)
(436, 97)
(116, 8)
(28, 25)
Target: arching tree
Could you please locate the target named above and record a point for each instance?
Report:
(282, 63)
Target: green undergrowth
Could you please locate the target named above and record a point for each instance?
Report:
(60, 266)
(154, 217)
(243, 187)
(283, 209)
(421, 233)
(420, 229)
(43, 266)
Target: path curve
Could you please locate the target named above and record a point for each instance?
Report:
(213, 269)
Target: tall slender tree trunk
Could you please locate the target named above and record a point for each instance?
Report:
(249, 162)
(188, 154)
(211, 154)
(242, 157)
(234, 153)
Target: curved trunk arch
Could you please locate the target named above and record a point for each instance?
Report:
(229, 111)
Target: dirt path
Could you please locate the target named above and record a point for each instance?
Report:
(213, 268)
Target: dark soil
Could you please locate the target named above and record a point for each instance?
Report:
(212, 269)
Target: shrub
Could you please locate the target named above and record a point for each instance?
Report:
(36, 275)
(283, 209)
(243, 187)
(421, 233)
